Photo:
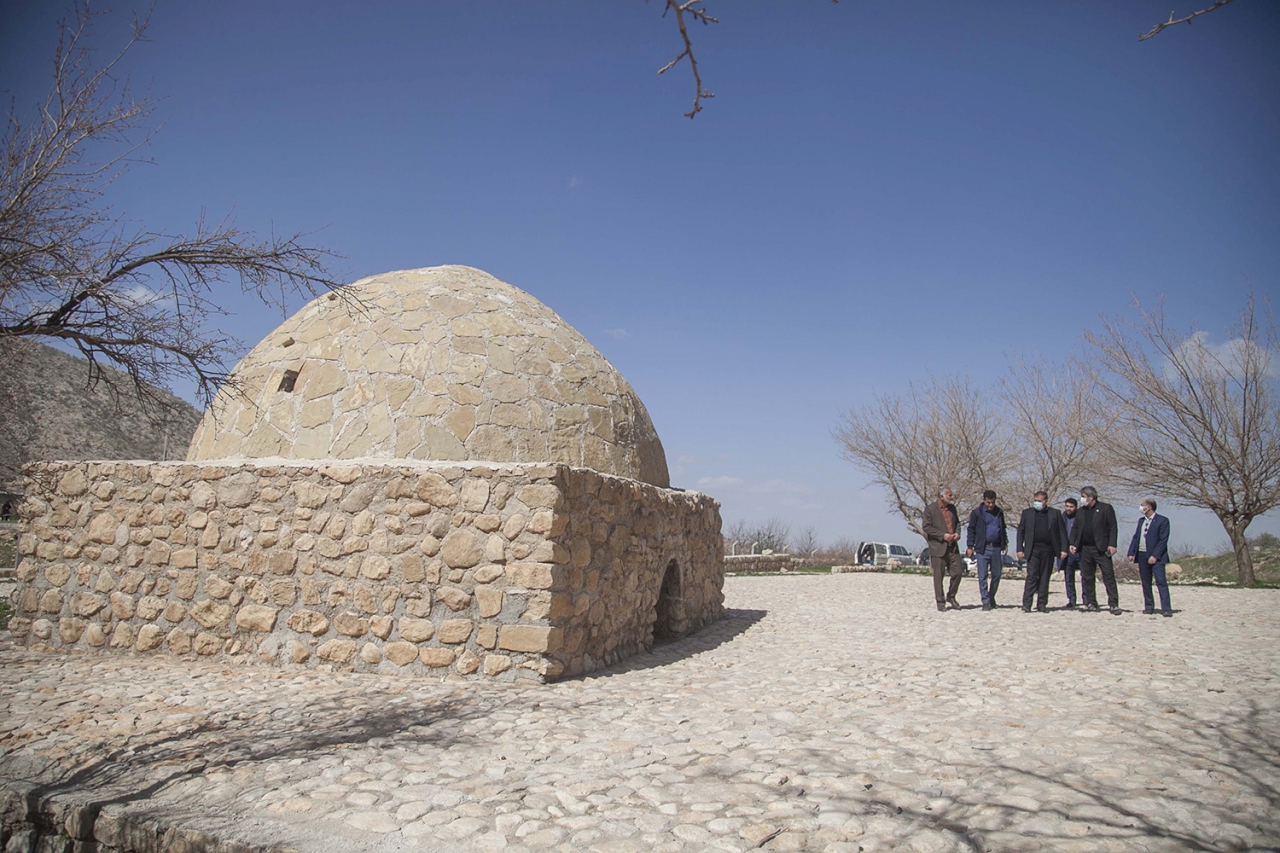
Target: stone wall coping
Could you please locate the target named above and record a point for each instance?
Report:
(541, 470)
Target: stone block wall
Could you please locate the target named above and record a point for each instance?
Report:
(757, 563)
(505, 571)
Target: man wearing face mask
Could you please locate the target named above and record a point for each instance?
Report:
(1070, 563)
(1150, 550)
(1094, 539)
(1039, 542)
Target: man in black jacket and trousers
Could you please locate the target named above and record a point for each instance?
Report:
(1094, 539)
(1040, 541)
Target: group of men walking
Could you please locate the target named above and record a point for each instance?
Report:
(1081, 537)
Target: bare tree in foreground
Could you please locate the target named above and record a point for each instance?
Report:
(73, 270)
(940, 434)
(1197, 423)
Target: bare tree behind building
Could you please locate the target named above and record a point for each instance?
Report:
(937, 434)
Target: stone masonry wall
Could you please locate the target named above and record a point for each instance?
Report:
(505, 571)
(756, 563)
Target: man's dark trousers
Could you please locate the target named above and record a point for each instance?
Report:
(948, 563)
(1070, 566)
(1148, 573)
(1093, 560)
(1039, 569)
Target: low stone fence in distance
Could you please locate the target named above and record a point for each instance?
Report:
(760, 563)
(504, 571)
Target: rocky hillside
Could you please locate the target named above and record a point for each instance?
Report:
(49, 410)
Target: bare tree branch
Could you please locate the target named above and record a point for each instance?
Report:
(696, 12)
(1217, 4)
(72, 270)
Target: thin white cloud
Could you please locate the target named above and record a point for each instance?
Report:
(770, 488)
(719, 482)
(617, 334)
(1228, 356)
(574, 182)
(140, 294)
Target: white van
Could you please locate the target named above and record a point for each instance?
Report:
(880, 553)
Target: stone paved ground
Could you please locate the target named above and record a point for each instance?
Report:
(825, 713)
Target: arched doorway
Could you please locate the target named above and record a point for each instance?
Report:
(669, 611)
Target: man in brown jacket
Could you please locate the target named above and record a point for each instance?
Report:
(942, 531)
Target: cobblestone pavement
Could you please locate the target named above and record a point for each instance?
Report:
(824, 713)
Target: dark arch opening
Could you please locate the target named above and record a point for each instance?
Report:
(668, 610)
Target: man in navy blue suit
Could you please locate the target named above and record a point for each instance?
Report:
(1150, 550)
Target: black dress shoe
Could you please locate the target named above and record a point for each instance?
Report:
(1042, 610)
(951, 602)
(1091, 608)
(1148, 612)
(987, 607)
(1026, 609)
(941, 606)
(1116, 611)
(1166, 612)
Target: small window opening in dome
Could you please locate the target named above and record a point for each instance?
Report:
(288, 380)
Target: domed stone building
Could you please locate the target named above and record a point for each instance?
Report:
(429, 471)
(445, 363)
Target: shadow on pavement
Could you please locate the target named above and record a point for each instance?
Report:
(733, 623)
(1239, 754)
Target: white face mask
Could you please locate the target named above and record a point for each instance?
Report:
(1084, 499)
(1038, 504)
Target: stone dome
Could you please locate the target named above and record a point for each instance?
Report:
(442, 363)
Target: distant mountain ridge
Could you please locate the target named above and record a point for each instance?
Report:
(50, 410)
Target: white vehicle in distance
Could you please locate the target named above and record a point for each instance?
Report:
(880, 553)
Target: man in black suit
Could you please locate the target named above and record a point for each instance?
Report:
(1094, 539)
(1070, 562)
(1039, 543)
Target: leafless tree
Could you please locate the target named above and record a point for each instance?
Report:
(844, 551)
(756, 537)
(1186, 19)
(805, 542)
(73, 270)
(1198, 423)
(1054, 427)
(939, 434)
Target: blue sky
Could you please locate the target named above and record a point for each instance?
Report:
(878, 190)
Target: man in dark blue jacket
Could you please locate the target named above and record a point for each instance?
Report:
(1150, 550)
(988, 540)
